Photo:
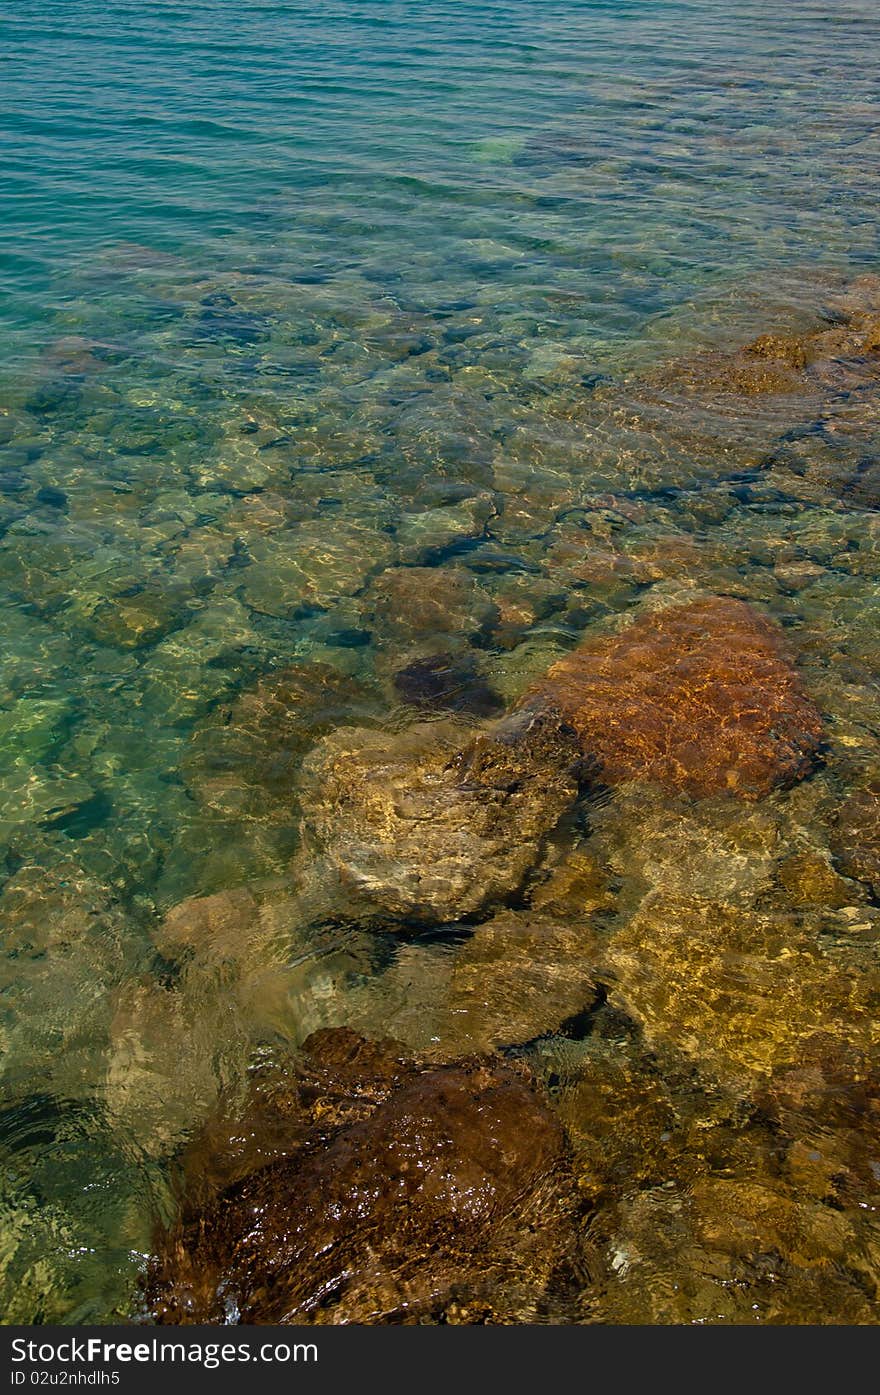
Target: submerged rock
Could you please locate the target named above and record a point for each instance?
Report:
(825, 1107)
(519, 976)
(431, 533)
(790, 362)
(718, 850)
(397, 1194)
(67, 941)
(810, 880)
(855, 838)
(430, 826)
(414, 604)
(311, 565)
(242, 966)
(447, 682)
(737, 990)
(721, 1249)
(244, 757)
(699, 697)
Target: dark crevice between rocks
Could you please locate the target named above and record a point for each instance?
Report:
(452, 935)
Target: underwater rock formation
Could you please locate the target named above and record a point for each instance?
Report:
(699, 697)
(406, 605)
(856, 837)
(393, 1194)
(243, 757)
(447, 683)
(737, 990)
(519, 976)
(432, 826)
(791, 362)
(718, 1249)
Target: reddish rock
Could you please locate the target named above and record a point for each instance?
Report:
(700, 697)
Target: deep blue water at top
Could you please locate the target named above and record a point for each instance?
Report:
(644, 148)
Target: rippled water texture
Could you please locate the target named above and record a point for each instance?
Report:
(359, 361)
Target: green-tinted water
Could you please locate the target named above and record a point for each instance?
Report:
(337, 338)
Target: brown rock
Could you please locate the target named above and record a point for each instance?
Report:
(402, 1214)
(784, 348)
(744, 373)
(699, 697)
(785, 363)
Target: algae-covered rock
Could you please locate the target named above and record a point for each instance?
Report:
(430, 826)
(700, 697)
(454, 1178)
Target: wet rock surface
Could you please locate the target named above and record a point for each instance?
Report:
(700, 697)
(403, 1195)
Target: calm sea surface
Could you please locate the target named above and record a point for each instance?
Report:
(296, 298)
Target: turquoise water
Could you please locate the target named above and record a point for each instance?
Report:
(297, 298)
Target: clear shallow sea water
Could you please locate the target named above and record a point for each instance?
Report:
(296, 298)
